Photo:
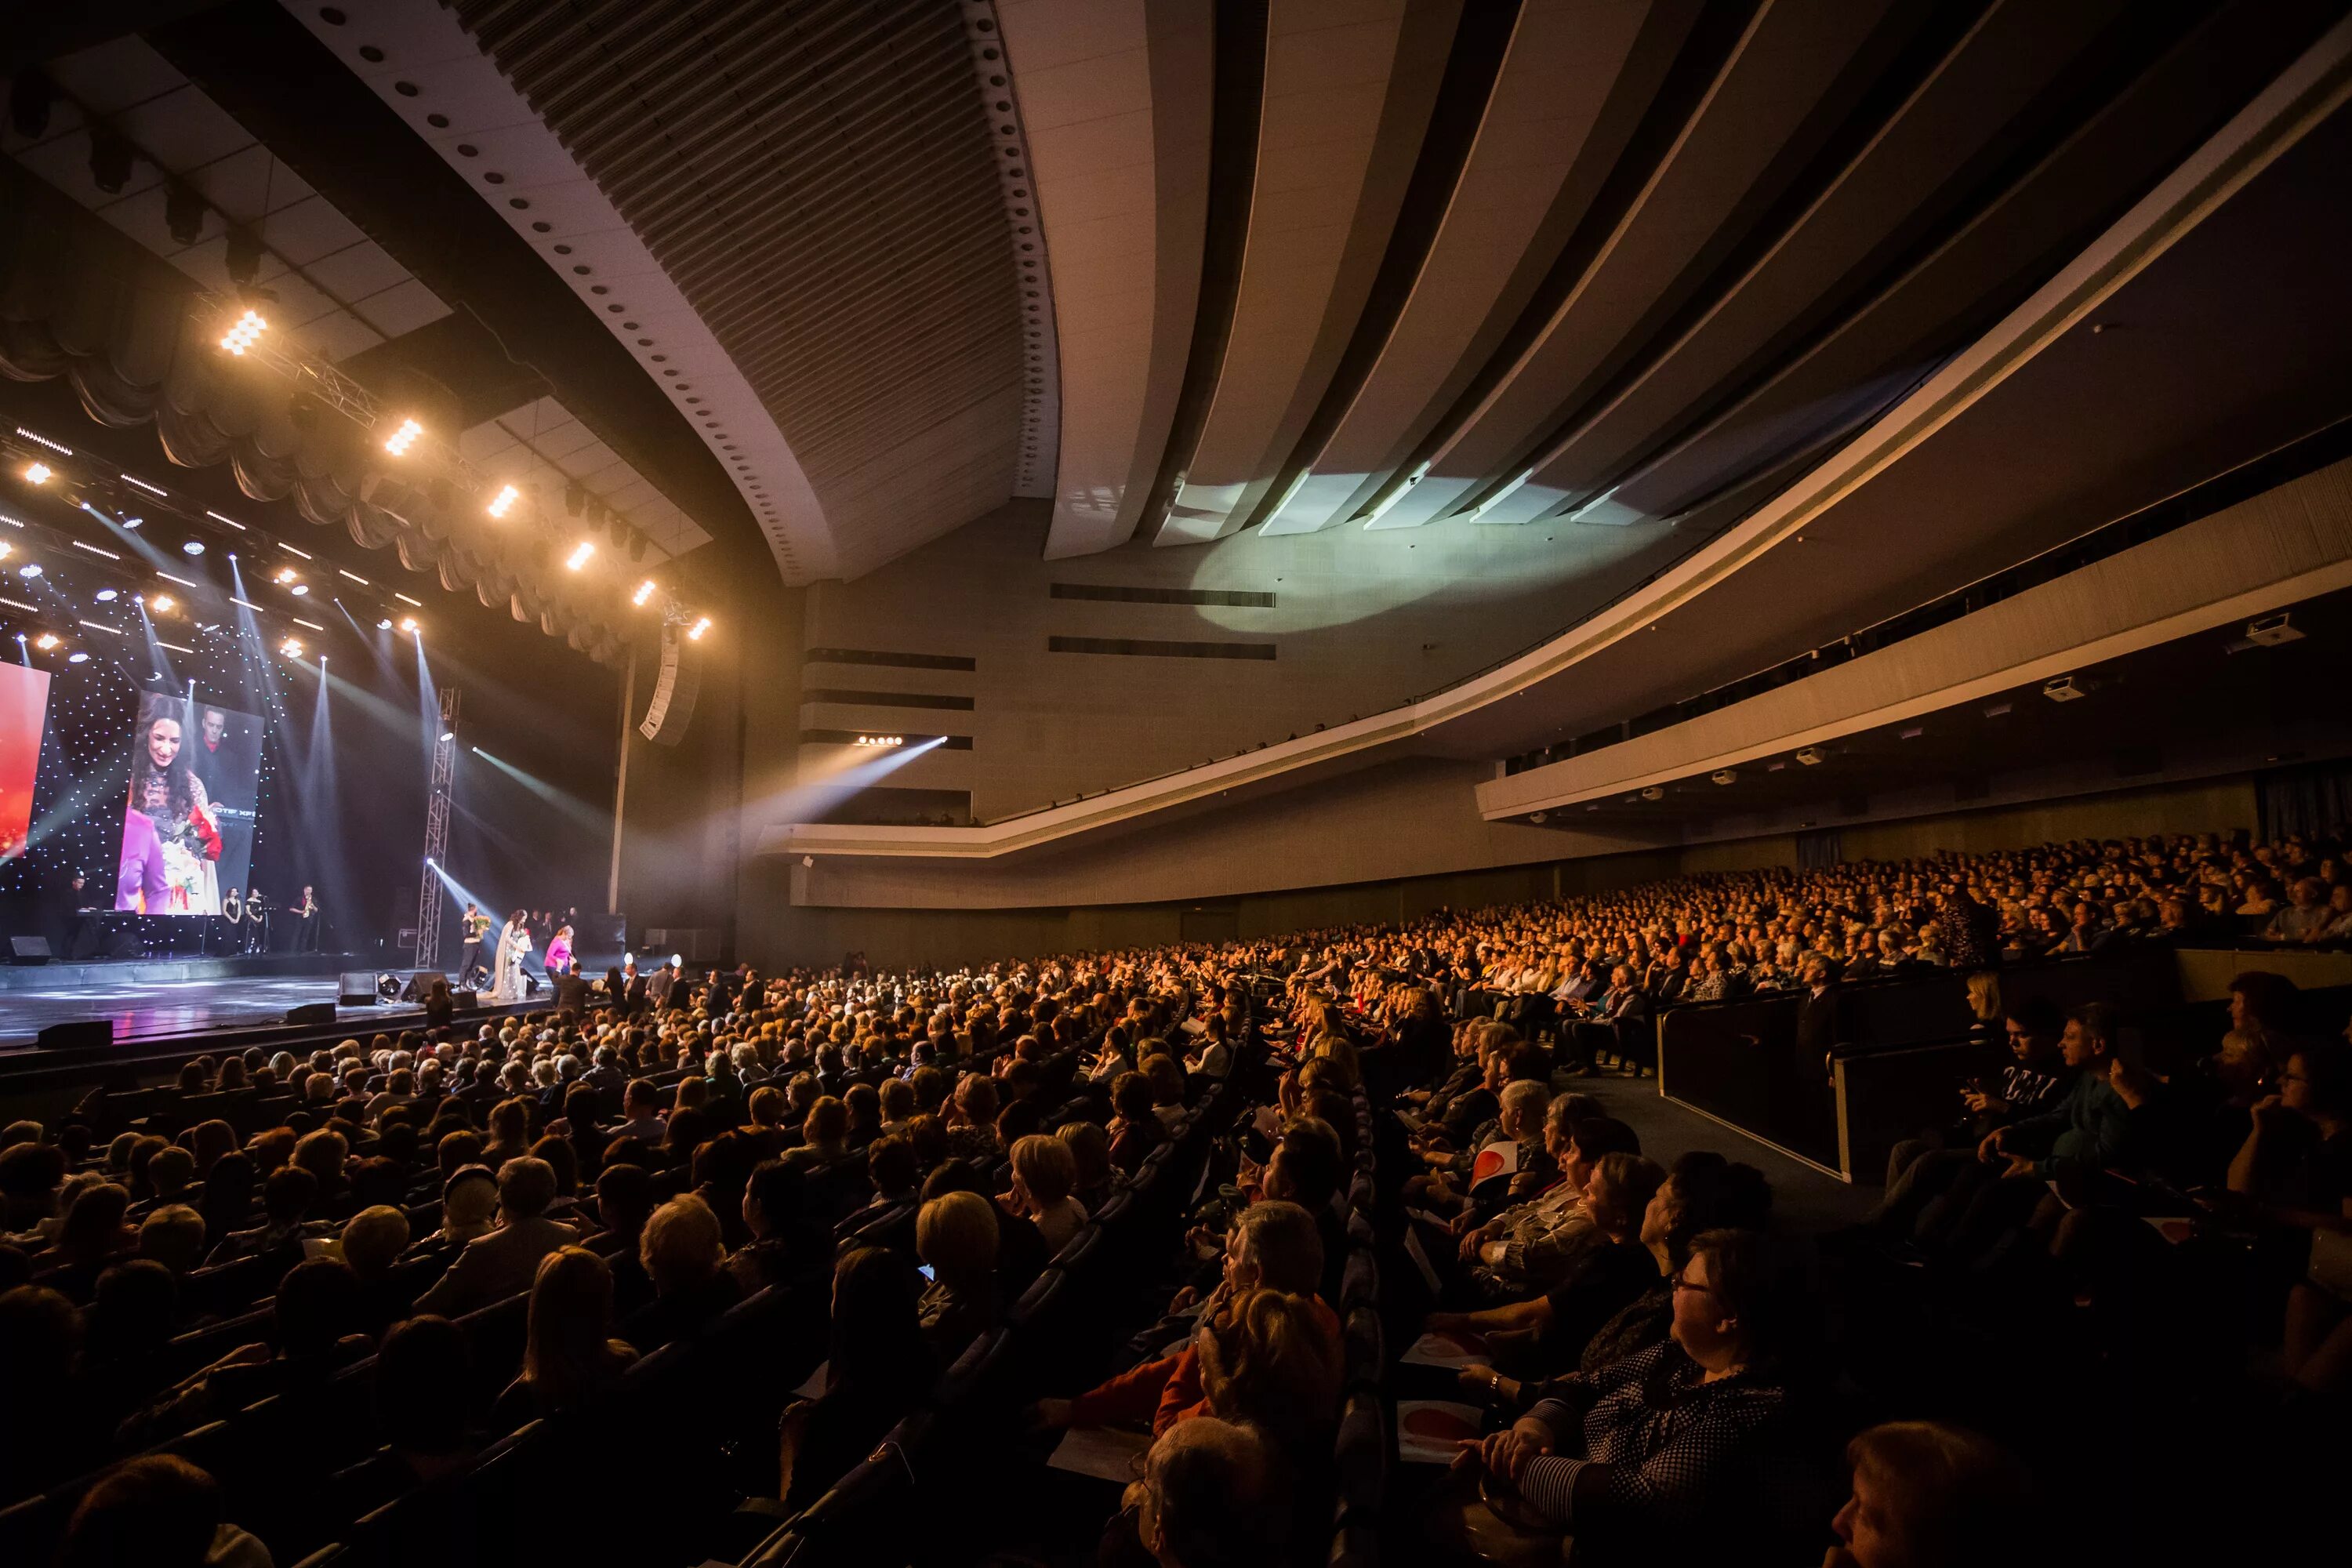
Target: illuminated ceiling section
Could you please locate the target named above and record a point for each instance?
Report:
(1115, 97)
(1766, 92)
(1349, 89)
(316, 276)
(1559, 110)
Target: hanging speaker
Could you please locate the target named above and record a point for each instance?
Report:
(672, 706)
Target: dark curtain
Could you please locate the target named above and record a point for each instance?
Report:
(1818, 851)
(2313, 801)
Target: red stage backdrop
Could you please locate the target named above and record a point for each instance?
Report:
(23, 707)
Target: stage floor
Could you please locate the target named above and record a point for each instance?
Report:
(147, 1001)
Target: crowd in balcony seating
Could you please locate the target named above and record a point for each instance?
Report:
(299, 1302)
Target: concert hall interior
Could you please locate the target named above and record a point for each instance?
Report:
(1217, 782)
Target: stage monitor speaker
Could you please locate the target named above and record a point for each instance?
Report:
(28, 950)
(314, 1013)
(78, 1035)
(467, 998)
(419, 984)
(356, 988)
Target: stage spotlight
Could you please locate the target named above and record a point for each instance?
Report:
(503, 502)
(30, 569)
(291, 647)
(580, 554)
(109, 159)
(38, 473)
(161, 603)
(644, 591)
(694, 632)
(403, 438)
(299, 589)
(104, 595)
(46, 641)
(245, 334)
(77, 657)
(7, 550)
(193, 547)
(383, 624)
(286, 575)
(448, 734)
(408, 624)
(574, 498)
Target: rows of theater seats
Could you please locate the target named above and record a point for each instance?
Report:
(306, 1472)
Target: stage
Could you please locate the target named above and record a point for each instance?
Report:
(150, 1000)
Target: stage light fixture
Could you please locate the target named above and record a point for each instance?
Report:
(38, 473)
(286, 575)
(580, 554)
(299, 589)
(7, 550)
(291, 647)
(245, 334)
(448, 734)
(408, 624)
(104, 595)
(30, 569)
(694, 632)
(161, 603)
(193, 547)
(46, 641)
(503, 502)
(403, 438)
(384, 624)
(77, 657)
(644, 591)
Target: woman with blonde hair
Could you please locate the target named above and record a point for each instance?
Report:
(1043, 1172)
(955, 1237)
(568, 1351)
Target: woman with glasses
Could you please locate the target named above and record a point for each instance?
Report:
(1650, 1449)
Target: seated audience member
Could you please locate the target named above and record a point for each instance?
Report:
(174, 1235)
(1044, 1170)
(570, 1355)
(970, 1117)
(1704, 1191)
(160, 1512)
(315, 1319)
(125, 1330)
(286, 1199)
(40, 1338)
(93, 1237)
(1135, 1128)
(1920, 1170)
(424, 1399)
(504, 1262)
(1273, 1246)
(786, 1243)
(1926, 1495)
(1209, 1497)
(1304, 1168)
(1269, 1358)
(1091, 1151)
(881, 1366)
(824, 1135)
(892, 1168)
(684, 1250)
(469, 1207)
(1650, 1450)
(955, 1237)
(371, 1243)
(1532, 1245)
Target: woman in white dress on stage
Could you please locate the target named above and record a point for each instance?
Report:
(506, 970)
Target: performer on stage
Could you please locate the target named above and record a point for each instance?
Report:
(514, 944)
(257, 922)
(306, 915)
(559, 953)
(476, 925)
(167, 793)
